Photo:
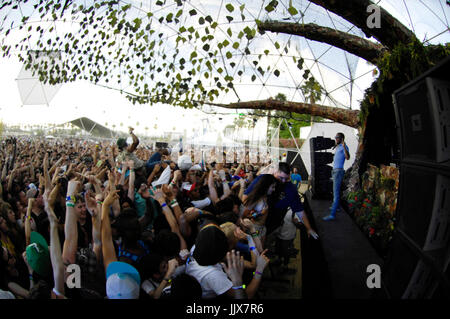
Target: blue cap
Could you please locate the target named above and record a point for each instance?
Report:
(118, 267)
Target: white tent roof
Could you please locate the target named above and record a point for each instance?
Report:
(213, 139)
(329, 130)
(32, 91)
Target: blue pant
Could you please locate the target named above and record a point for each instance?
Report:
(338, 176)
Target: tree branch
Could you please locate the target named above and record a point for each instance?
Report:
(340, 115)
(389, 34)
(363, 48)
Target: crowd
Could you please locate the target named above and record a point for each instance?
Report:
(86, 220)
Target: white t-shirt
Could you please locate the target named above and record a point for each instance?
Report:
(200, 204)
(287, 230)
(213, 280)
(150, 285)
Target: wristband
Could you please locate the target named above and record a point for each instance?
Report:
(252, 248)
(200, 212)
(255, 234)
(174, 205)
(99, 202)
(173, 201)
(71, 199)
(257, 273)
(167, 279)
(163, 205)
(70, 204)
(239, 287)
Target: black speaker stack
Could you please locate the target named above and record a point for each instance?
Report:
(417, 264)
(322, 185)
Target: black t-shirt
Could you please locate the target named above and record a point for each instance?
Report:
(42, 225)
(85, 233)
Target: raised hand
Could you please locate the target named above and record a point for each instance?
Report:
(159, 196)
(247, 223)
(112, 196)
(167, 192)
(171, 266)
(235, 267)
(72, 187)
(262, 261)
(112, 180)
(91, 204)
(93, 180)
(52, 196)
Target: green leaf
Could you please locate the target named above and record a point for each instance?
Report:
(253, 78)
(126, 7)
(229, 55)
(276, 73)
(229, 18)
(306, 74)
(206, 47)
(230, 33)
(193, 12)
(201, 20)
(236, 45)
(292, 11)
(269, 8)
(229, 7)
